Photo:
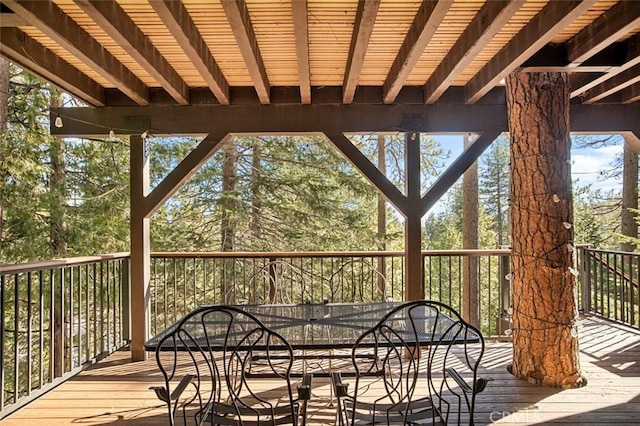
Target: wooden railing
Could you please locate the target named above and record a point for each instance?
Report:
(61, 315)
(57, 317)
(610, 285)
(182, 281)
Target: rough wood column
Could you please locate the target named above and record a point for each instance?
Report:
(545, 338)
(140, 255)
(414, 287)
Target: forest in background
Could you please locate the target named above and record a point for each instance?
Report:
(70, 197)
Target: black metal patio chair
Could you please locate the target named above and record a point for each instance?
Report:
(205, 360)
(425, 369)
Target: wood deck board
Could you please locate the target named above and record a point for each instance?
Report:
(116, 391)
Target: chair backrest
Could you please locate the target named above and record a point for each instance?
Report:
(214, 346)
(405, 363)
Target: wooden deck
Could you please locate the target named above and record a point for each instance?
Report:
(115, 391)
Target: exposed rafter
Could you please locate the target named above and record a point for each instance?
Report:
(429, 16)
(362, 28)
(238, 16)
(49, 18)
(607, 29)
(631, 94)
(117, 24)
(301, 30)
(631, 59)
(486, 24)
(8, 20)
(31, 55)
(613, 85)
(552, 19)
(177, 20)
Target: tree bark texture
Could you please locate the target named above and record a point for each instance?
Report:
(382, 218)
(545, 339)
(57, 183)
(470, 285)
(629, 226)
(4, 104)
(228, 204)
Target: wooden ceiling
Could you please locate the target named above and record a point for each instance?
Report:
(156, 52)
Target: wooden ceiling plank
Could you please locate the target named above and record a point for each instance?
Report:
(238, 16)
(605, 30)
(176, 18)
(613, 85)
(540, 30)
(301, 30)
(426, 22)
(29, 54)
(55, 24)
(368, 170)
(632, 58)
(485, 25)
(363, 26)
(631, 94)
(120, 27)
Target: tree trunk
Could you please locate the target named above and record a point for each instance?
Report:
(228, 203)
(57, 188)
(470, 287)
(545, 339)
(256, 198)
(382, 221)
(4, 104)
(629, 226)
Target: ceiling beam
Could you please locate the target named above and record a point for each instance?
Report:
(182, 172)
(316, 118)
(240, 21)
(612, 85)
(120, 27)
(368, 170)
(631, 94)
(426, 22)
(176, 18)
(456, 169)
(31, 55)
(631, 59)
(605, 30)
(55, 24)
(492, 17)
(362, 28)
(301, 31)
(10, 19)
(540, 30)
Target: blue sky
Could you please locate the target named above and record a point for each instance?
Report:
(586, 168)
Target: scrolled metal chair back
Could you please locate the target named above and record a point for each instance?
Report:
(206, 363)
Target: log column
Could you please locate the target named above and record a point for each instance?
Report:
(545, 339)
(414, 289)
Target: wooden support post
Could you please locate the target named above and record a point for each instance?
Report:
(140, 255)
(414, 285)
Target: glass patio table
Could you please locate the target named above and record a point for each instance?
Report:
(325, 326)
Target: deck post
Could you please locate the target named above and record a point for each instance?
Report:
(414, 284)
(140, 254)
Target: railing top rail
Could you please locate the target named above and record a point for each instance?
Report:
(299, 254)
(59, 263)
(617, 252)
